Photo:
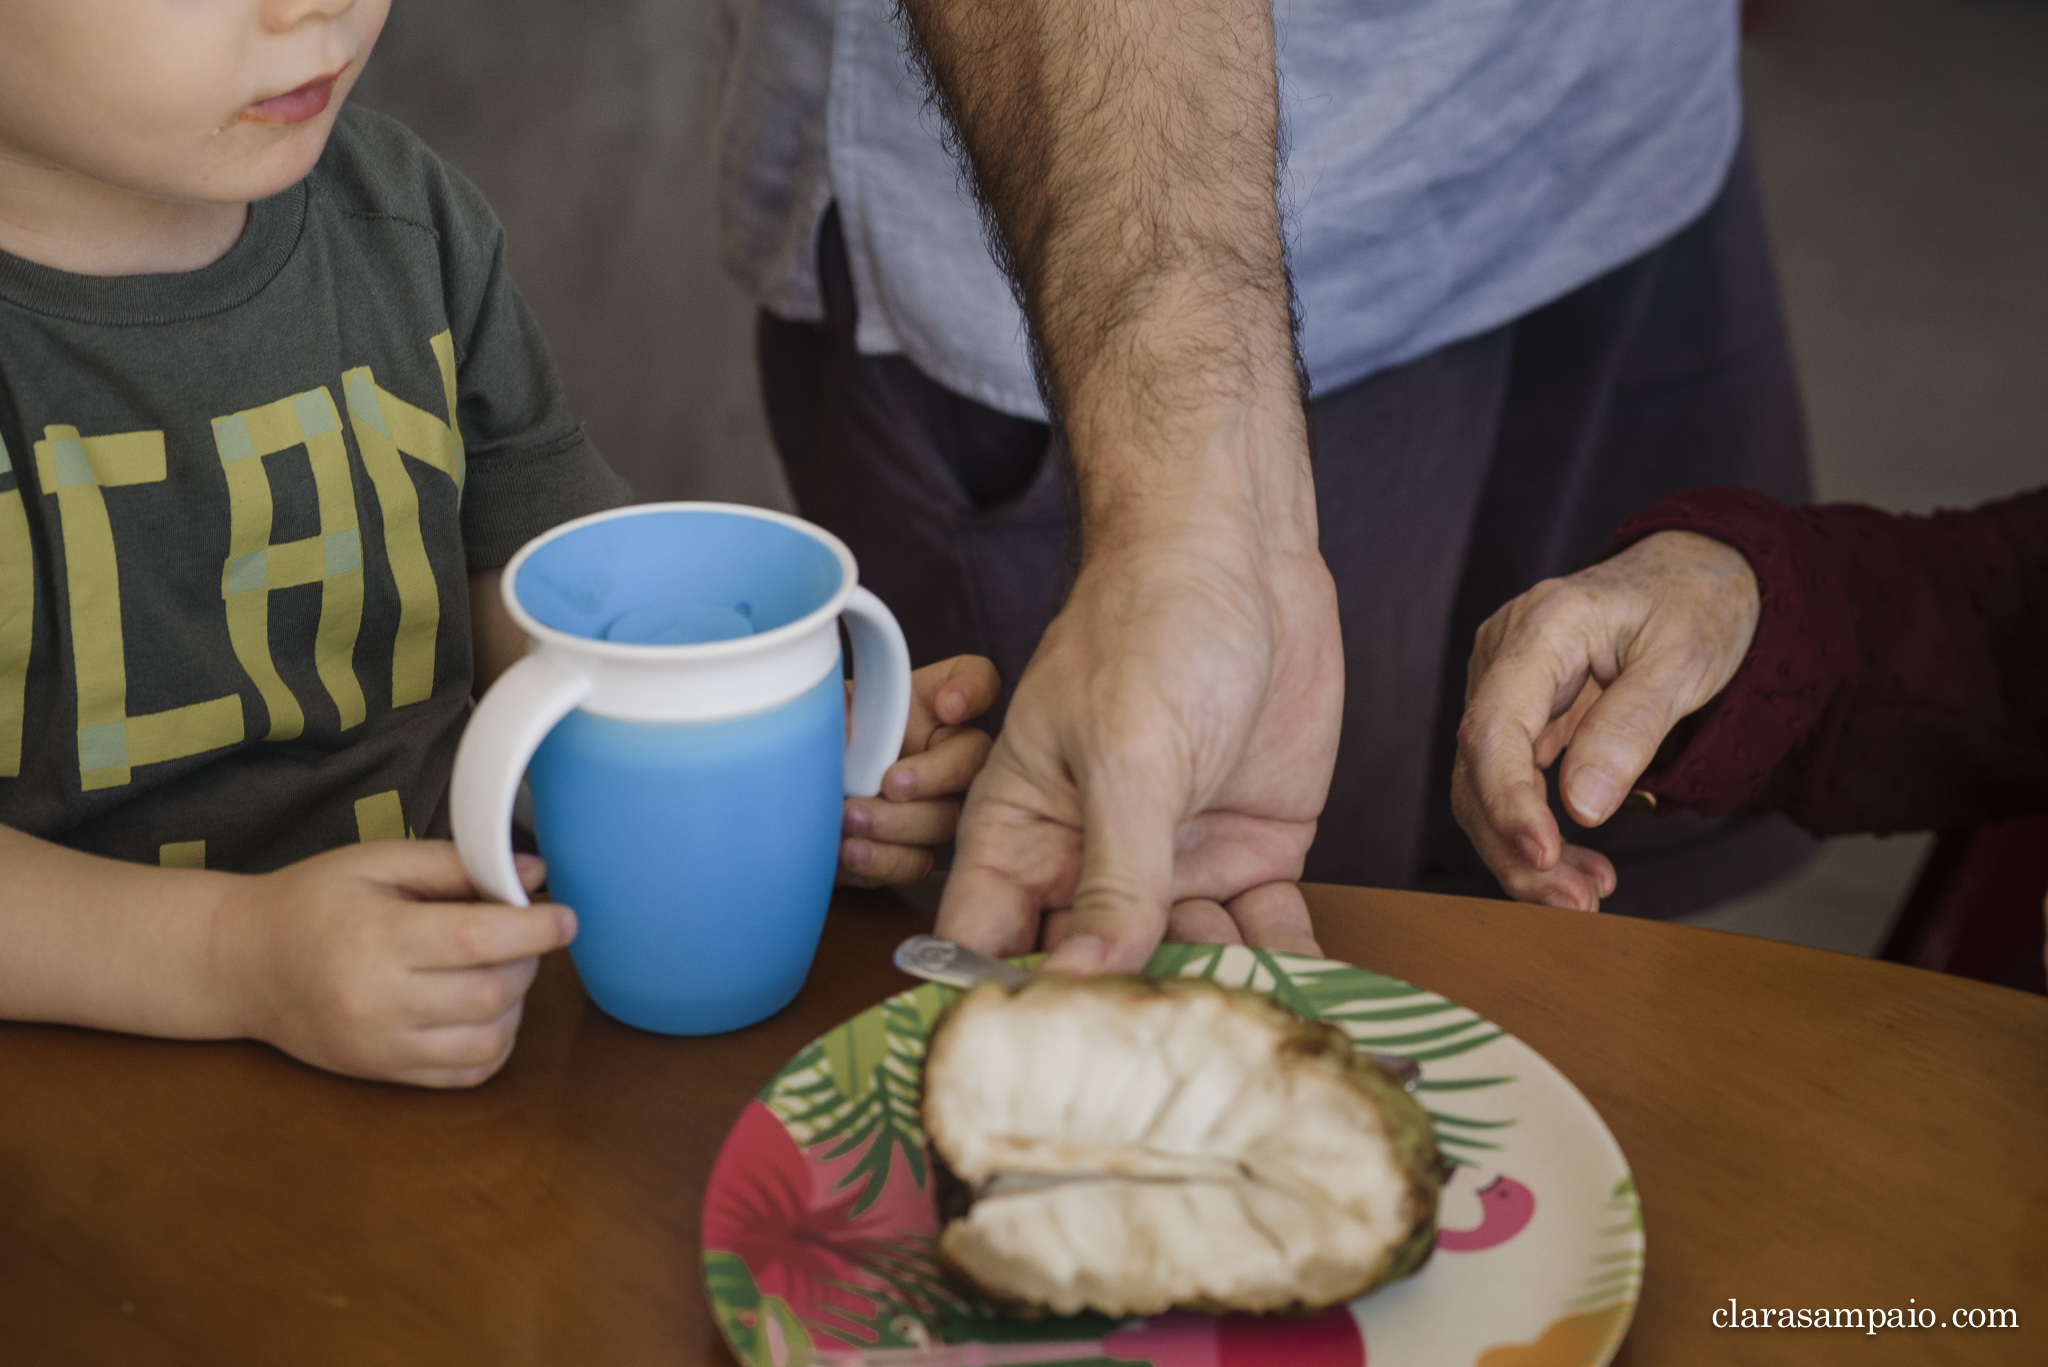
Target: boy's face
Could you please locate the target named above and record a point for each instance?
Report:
(223, 101)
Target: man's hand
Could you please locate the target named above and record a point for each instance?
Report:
(1169, 746)
(372, 960)
(1597, 667)
(891, 838)
(1164, 761)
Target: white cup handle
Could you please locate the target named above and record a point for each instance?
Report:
(881, 692)
(514, 717)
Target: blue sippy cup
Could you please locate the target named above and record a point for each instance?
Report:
(682, 709)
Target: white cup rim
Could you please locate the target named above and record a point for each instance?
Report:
(569, 642)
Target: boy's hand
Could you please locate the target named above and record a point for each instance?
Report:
(373, 961)
(891, 838)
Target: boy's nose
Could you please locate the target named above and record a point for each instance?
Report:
(280, 16)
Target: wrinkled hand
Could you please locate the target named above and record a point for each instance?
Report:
(1597, 667)
(892, 838)
(372, 960)
(1163, 762)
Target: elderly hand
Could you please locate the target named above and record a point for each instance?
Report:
(1597, 667)
(1163, 763)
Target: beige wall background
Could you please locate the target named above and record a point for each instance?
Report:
(586, 123)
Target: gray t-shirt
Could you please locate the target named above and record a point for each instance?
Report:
(239, 508)
(1452, 164)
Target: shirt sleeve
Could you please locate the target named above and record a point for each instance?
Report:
(1898, 679)
(530, 465)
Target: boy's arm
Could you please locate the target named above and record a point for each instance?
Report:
(98, 942)
(367, 960)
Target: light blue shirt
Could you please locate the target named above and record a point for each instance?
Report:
(1452, 164)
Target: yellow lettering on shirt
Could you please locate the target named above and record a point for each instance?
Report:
(17, 618)
(182, 854)
(255, 567)
(78, 470)
(388, 428)
(380, 817)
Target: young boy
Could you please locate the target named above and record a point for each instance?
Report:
(271, 417)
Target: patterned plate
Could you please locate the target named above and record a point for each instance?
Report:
(819, 1222)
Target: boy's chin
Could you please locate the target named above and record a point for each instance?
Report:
(270, 161)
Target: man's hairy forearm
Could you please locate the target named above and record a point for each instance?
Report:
(1126, 158)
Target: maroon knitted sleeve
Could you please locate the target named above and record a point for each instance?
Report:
(1899, 675)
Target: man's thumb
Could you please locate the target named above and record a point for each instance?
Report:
(1120, 905)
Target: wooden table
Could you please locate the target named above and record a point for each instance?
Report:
(1806, 1129)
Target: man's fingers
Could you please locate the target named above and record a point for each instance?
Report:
(1619, 735)
(1013, 857)
(1199, 921)
(1126, 877)
(986, 908)
(1052, 928)
(1001, 854)
(467, 934)
(1275, 916)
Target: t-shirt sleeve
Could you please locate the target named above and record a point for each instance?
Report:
(531, 466)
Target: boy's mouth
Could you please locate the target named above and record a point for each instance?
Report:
(309, 101)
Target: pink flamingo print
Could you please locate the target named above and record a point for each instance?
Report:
(1505, 1209)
